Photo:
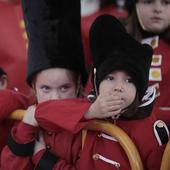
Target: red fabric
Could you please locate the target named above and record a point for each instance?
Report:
(22, 133)
(13, 46)
(86, 24)
(88, 86)
(5, 127)
(74, 107)
(9, 101)
(20, 136)
(67, 146)
(163, 86)
(61, 144)
(140, 131)
(11, 162)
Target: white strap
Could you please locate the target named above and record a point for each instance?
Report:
(149, 97)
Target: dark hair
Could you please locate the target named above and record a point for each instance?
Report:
(2, 72)
(134, 28)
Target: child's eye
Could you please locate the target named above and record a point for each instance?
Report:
(45, 88)
(109, 77)
(64, 88)
(129, 80)
(166, 2)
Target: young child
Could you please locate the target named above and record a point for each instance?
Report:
(56, 70)
(149, 22)
(120, 79)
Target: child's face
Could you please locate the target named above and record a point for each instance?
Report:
(121, 84)
(154, 15)
(55, 83)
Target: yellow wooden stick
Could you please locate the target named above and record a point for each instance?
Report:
(165, 165)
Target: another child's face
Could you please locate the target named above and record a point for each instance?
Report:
(121, 84)
(55, 83)
(154, 15)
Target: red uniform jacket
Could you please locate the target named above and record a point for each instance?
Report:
(159, 76)
(9, 101)
(68, 120)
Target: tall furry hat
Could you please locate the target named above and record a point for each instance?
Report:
(53, 29)
(130, 4)
(114, 49)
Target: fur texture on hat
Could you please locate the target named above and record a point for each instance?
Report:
(114, 49)
(130, 5)
(53, 29)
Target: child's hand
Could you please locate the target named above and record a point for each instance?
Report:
(108, 105)
(29, 116)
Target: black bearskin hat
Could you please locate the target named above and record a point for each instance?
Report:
(114, 49)
(130, 4)
(53, 29)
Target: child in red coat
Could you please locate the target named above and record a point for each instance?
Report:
(120, 80)
(56, 70)
(149, 22)
(119, 68)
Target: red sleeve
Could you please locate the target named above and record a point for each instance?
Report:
(24, 133)
(65, 114)
(10, 101)
(9, 161)
(162, 115)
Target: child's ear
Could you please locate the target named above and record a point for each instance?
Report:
(3, 82)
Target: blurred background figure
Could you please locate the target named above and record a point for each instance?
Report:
(90, 9)
(149, 22)
(13, 45)
(3, 79)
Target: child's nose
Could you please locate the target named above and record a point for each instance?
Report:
(55, 95)
(118, 87)
(157, 7)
